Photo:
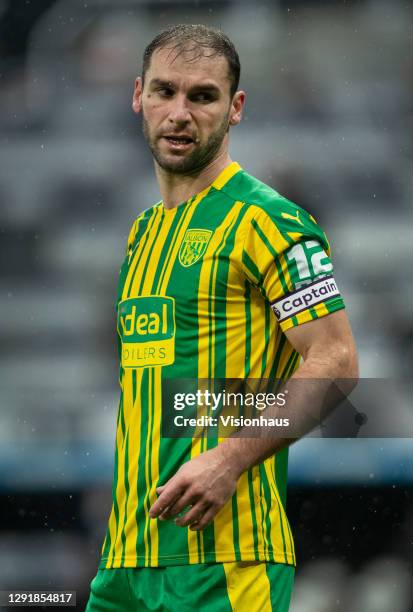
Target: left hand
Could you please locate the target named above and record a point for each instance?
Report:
(205, 483)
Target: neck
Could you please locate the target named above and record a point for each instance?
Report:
(177, 188)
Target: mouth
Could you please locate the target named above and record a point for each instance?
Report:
(178, 142)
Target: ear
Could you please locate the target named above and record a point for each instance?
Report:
(237, 106)
(137, 96)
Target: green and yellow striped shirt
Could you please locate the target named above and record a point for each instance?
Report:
(206, 290)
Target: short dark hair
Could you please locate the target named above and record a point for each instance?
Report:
(195, 39)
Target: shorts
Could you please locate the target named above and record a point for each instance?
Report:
(206, 587)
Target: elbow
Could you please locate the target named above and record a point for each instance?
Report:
(348, 365)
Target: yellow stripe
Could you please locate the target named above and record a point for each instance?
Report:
(296, 236)
(224, 229)
(248, 586)
(156, 439)
(270, 229)
(194, 557)
(277, 518)
(286, 272)
(305, 316)
(321, 310)
(273, 342)
(131, 527)
(149, 442)
(245, 524)
(257, 333)
(118, 492)
(157, 215)
(112, 532)
(159, 239)
(256, 480)
(226, 175)
(289, 542)
(121, 489)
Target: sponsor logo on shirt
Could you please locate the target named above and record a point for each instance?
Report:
(193, 246)
(146, 326)
(318, 291)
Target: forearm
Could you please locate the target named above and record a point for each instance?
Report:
(307, 407)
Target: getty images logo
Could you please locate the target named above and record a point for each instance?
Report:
(319, 291)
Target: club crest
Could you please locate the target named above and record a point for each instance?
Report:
(193, 246)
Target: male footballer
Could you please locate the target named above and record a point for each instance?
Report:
(212, 286)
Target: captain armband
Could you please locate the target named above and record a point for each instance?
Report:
(320, 290)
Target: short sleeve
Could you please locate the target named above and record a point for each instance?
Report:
(286, 255)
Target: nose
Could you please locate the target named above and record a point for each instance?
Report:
(179, 111)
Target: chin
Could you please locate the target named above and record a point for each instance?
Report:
(178, 165)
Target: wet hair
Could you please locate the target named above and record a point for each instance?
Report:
(193, 42)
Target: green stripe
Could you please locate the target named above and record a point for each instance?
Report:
(247, 295)
(264, 239)
(264, 538)
(122, 420)
(167, 249)
(313, 313)
(289, 366)
(149, 460)
(235, 524)
(184, 214)
(134, 408)
(210, 337)
(281, 525)
(106, 548)
(149, 230)
(199, 545)
(268, 313)
(115, 501)
(265, 491)
(142, 484)
(334, 304)
(126, 483)
(148, 258)
(279, 468)
(282, 339)
(281, 277)
(250, 265)
(114, 485)
(254, 516)
(290, 538)
(213, 314)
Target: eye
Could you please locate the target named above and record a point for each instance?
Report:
(165, 92)
(202, 96)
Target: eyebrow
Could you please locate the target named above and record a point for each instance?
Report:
(201, 87)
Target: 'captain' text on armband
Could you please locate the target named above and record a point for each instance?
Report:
(312, 294)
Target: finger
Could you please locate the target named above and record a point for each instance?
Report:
(160, 489)
(193, 515)
(207, 518)
(185, 501)
(172, 491)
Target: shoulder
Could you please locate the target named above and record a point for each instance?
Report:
(269, 208)
(141, 221)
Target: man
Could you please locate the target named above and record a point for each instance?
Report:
(206, 291)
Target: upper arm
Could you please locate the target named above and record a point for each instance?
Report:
(327, 338)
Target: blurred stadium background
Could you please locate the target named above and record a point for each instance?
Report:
(328, 123)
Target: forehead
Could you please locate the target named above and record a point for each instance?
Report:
(187, 69)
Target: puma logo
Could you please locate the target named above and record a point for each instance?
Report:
(292, 217)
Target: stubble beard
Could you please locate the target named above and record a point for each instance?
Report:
(192, 162)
